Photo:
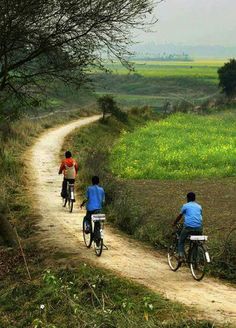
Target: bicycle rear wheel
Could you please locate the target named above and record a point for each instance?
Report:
(98, 246)
(87, 235)
(65, 202)
(173, 257)
(71, 204)
(198, 262)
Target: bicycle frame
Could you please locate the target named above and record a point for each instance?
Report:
(98, 219)
(71, 191)
(196, 254)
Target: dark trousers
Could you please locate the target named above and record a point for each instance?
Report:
(186, 231)
(88, 218)
(64, 186)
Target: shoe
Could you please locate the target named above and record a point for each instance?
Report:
(87, 229)
(180, 259)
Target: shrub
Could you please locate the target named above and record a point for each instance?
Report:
(227, 77)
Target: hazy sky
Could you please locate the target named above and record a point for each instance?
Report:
(194, 22)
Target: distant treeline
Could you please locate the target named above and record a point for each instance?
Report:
(163, 57)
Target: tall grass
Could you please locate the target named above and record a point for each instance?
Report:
(180, 147)
(88, 297)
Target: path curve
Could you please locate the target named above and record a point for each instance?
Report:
(60, 229)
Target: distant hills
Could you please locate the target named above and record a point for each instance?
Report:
(154, 50)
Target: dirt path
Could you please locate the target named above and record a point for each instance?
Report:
(62, 230)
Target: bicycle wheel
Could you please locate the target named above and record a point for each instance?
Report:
(65, 202)
(87, 235)
(98, 246)
(198, 262)
(71, 203)
(172, 257)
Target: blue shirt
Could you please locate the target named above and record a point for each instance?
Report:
(192, 215)
(96, 196)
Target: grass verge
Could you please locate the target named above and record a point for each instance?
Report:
(83, 296)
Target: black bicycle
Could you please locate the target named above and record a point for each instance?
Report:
(93, 232)
(196, 254)
(70, 196)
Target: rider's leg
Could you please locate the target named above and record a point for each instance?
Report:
(186, 231)
(183, 235)
(64, 188)
(88, 221)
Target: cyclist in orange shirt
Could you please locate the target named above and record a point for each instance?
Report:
(69, 167)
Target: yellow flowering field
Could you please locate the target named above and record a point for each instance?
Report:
(183, 146)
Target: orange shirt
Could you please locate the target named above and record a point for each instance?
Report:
(68, 162)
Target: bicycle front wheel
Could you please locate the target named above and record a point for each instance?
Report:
(98, 246)
(198, 262)
(87, 235)
(173, 257)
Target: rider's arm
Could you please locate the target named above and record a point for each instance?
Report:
(62, 167)
(76, 167)
(84, 201)
(179, 217)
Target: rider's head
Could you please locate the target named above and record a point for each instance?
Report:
(95, 180)
(68, 154)
(191, 197)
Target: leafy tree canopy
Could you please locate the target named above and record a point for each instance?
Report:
(43, 40)
(227, 77)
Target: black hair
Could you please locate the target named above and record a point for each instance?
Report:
(191, 197)
(95, 180)
(68, 154)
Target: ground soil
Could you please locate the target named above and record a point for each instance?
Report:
(60, 230)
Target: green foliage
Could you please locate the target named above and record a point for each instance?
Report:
(108, 105)
(180, 147)
(87, 297)
(227, 77)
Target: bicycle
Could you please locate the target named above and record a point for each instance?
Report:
(196, 254)
(70, 196)
(94, 233)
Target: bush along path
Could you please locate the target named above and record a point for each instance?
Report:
(61, 230)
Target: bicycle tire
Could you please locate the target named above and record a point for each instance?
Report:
(65, 202)
(172, 257)
(198, 262)
(87, 236)
(98, 246)
(71, 204)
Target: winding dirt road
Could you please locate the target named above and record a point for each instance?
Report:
(61, 230)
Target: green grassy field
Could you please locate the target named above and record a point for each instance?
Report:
(154, 83)
(197, 69)
(180, 147)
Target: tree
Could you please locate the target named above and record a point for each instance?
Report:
(44, 40)
(227, 77)
(108, 105)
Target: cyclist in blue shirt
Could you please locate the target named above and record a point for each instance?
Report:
(192, 213)
(95, 199)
